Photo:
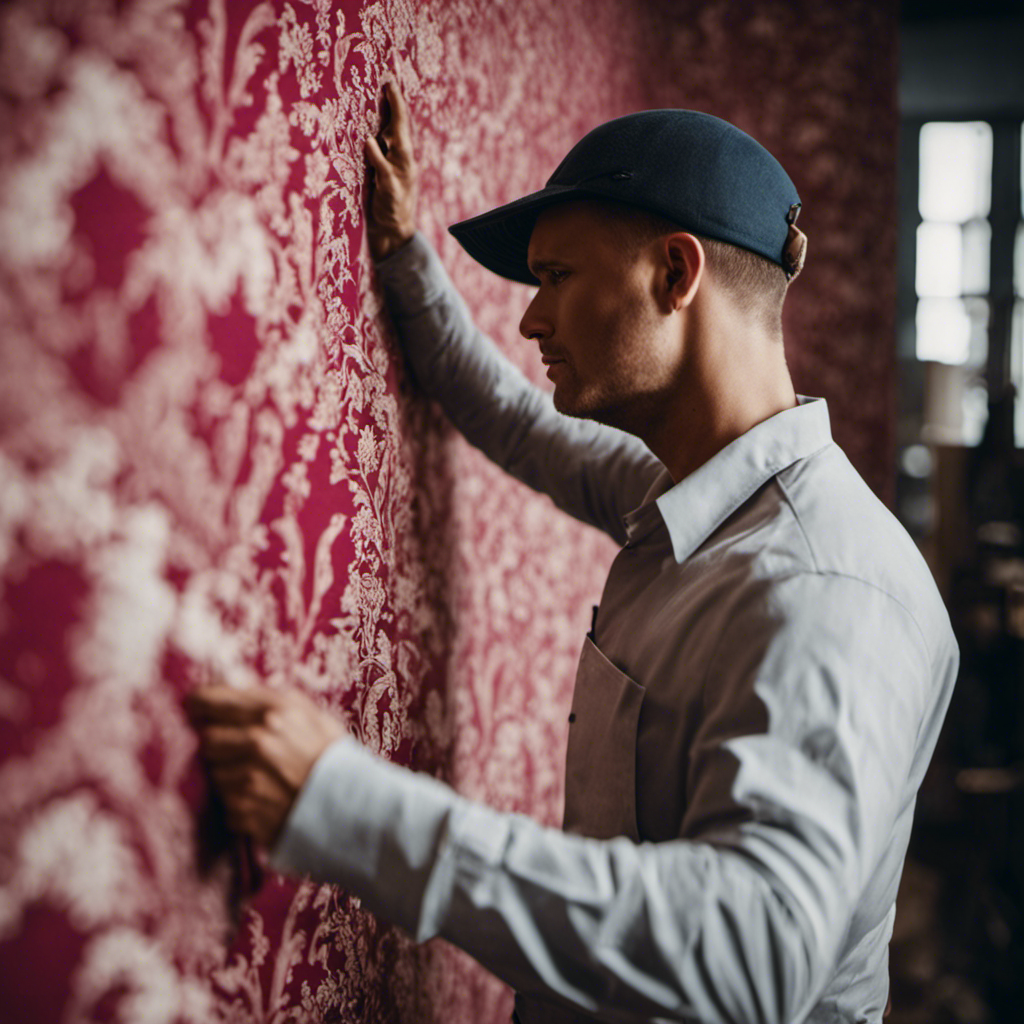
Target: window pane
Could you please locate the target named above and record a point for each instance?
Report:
(975, 412)
(1018, 260)
(956, 170)
(943, 331)
(1017, 367)
(952, 331)
(977, 313)
(976, 251)
(955, 405)
(939, 260)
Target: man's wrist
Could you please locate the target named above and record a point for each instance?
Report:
(277, 850)
(383, 246)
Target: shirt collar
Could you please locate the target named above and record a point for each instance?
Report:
(696, 506)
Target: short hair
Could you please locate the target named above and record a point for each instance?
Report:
(756, 284)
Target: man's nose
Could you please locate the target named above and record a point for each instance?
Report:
(535, 322)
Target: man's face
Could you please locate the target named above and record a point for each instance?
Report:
(602, 333)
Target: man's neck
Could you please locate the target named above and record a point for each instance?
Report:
(729, 386)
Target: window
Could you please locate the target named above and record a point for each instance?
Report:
(954, 240)
(968, 273)
(1017, 326)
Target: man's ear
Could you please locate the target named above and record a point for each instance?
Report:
(684, 262)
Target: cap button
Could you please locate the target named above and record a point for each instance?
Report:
(794, 253)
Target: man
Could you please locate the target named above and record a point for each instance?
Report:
(770, 664)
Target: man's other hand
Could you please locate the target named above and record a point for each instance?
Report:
(392, 218)
(260, 746)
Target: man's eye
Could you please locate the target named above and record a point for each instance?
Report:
(555, 276)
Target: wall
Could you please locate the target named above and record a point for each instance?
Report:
(211, 460)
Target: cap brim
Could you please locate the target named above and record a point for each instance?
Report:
(499, 239)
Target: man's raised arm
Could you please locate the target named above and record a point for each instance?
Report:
(593, 472)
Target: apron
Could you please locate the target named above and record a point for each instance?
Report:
(600, 779)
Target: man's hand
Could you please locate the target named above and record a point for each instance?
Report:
(392, 220)
(260, 745)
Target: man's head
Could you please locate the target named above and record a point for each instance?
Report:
(624, 302)
(662, 246)
(601, 315)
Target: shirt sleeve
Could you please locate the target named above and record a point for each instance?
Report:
(801, 765)
(618, 930)
(591, 471)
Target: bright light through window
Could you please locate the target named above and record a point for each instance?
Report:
(952, 330)
(953, 242)
(953, 259)
(939, 260)
(943, 331)
(976, 253)
(955, 171)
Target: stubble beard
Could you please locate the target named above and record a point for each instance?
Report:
(630, 396)
(611, 405)
(629, 401)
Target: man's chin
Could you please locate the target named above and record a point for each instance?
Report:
(569, 405)
(579, 407)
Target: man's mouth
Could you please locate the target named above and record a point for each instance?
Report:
(554, 366)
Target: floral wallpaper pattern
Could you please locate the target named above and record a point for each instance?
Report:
(212, 461)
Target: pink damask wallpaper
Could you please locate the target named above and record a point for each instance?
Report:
(211, 458)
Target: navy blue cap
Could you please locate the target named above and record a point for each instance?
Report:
(696, 170)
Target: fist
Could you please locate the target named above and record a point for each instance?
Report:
(259, 745)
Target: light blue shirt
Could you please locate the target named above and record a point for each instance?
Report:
(753, 716)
